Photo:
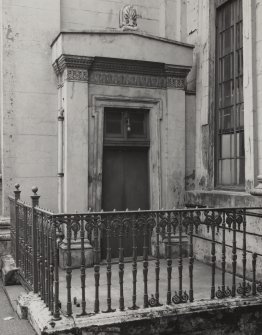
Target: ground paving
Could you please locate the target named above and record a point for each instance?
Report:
(201, 282)
(10, 324)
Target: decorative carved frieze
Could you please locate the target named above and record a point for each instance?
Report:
(128, 18)
(126, 79)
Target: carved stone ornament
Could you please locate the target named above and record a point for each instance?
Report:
(128, 18)
(77, 75)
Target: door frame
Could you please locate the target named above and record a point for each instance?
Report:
(96, 133)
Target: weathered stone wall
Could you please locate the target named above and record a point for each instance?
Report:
(190, 140)
(29, 98)
(222, 322)
(200, 27)
(155, 17)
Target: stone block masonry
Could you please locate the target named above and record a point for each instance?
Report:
(232, 316)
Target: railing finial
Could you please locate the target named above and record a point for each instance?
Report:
(17, 187)
(34, 189)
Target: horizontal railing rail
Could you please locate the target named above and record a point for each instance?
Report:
(37, 235)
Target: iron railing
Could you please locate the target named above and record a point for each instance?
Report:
(37, 235)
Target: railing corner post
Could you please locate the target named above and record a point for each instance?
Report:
(17, 193)
(35, 202)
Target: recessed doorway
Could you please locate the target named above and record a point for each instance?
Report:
(125, 182)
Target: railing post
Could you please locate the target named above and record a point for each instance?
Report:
(58, 241)
(17, 193)
(35, 202)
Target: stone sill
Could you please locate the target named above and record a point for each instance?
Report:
(222, 192)
(222, 198)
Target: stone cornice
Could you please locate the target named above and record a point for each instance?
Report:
(176, 71)
(120, 72)
(72, 62)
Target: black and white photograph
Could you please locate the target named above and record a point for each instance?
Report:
(130, 167)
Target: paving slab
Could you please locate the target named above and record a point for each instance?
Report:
(10, 324)
(201, 284)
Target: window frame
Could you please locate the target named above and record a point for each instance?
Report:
(236, 129)
(125, 139)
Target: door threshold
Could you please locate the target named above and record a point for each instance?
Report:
(126, 260)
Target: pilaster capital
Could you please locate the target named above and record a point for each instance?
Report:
(74, 67)
(176, 76)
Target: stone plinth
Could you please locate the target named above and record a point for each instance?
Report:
(75, 254)
(175, 249)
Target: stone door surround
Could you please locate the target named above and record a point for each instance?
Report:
(86, 61)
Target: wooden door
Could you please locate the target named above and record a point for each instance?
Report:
(125, 185)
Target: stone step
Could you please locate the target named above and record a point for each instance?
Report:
(13, 292)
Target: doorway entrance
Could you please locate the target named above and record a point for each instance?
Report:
(125, 168)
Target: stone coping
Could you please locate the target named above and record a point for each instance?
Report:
(42, 321)
(121, 32)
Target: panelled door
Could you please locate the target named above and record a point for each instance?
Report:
(125, 169)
